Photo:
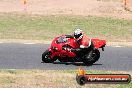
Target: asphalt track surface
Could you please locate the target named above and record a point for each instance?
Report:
(28, 56)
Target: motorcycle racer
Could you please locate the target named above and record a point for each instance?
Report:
(85, 43)
(74, 48)
(82, 39)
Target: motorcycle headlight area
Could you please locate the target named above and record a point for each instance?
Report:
(54, 48)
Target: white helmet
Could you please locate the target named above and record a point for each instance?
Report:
(78, 34)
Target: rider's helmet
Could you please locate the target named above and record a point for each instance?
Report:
(78, 34)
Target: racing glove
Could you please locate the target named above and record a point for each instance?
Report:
(76, 50)
(67, 49)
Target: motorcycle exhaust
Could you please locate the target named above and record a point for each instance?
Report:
(103, 47)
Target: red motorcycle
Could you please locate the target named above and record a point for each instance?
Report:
(60, 49)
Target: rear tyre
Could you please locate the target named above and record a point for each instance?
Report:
(46, 57)
(94, 57)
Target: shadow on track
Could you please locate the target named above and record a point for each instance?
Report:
(74, 63)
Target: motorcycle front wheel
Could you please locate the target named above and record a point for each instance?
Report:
(46, 57)
(94, 57)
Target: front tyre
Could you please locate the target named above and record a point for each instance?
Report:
(94, 57)
(46, 57)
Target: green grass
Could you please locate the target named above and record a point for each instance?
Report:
(11, 78)
(28, 27)
(125, 85)
(6, 80)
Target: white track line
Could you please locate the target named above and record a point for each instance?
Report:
(118, 46)
(114, 46)
(1, 42)
(29, 43)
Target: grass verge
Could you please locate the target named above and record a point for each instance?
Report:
(50, 79)
(36, 27)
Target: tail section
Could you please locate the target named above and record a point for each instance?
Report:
(99, 43)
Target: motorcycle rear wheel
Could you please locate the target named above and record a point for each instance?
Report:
(46, 57)
(90, 60)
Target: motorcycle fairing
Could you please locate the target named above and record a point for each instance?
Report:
(59, 42)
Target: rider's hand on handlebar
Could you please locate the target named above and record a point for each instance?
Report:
(67, 49)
